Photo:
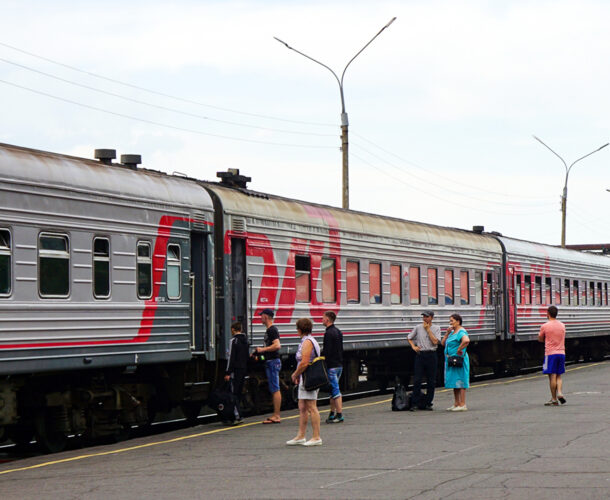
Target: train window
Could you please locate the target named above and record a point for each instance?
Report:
(414, 288)
(101, 268)
(173, 271)
(395, 284)
(302, 271)
(464, 288)
(538, 290)
(53, 265)
(606, 294)
(144, 268)
(449, 287)
(566, 293)
(575, 293)
(5, 262)
(375, 283)
(478, 288)
(489, 292)
(599, 294)
(432, 286)
(518, 296)
(592, 293)
(557, 292)
(585, 293)
(527, 292)
(548, 291)
(329, 278)
(353, 282)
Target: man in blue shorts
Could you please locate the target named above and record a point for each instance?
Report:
(273, 364)
(553, 334)
(333, 352)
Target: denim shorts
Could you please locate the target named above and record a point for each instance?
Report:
(334, 374)
(554, 363)
(272, 370)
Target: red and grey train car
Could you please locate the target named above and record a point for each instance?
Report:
(118, 286)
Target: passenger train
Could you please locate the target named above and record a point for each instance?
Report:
(118, 286)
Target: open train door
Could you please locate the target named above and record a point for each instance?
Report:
(239, 285)
(202, 296)
(495, 298)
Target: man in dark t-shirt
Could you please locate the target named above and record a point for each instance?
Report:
(273, 363)
(333, 352)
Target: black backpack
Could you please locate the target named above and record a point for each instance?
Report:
(224, 402)
(401, 400)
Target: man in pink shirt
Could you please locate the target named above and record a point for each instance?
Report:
(553, 334)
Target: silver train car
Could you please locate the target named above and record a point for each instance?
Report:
(118, 286)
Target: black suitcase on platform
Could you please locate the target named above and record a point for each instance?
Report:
(401, 400)
(223, 401)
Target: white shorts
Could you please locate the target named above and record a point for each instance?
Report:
(303, 394)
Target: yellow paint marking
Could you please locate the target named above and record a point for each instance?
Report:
(226, 429)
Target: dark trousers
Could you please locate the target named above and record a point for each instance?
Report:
(425, 366)
(237, 385)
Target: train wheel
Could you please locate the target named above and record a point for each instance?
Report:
(50, 439)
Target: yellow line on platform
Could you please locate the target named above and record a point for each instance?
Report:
(226, 429)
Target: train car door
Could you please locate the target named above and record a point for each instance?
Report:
(514, 294)
(239, 296)
(200, 340)
(494, 297)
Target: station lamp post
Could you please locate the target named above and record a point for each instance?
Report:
(564, 196)
(344, 121)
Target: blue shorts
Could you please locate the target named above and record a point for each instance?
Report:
(555, 363)
(272, 370)
(334, 374)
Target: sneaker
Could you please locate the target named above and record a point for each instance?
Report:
(237, 421)
(313, 442)
(460, 408)
(551, 403)
(451, 408)
(330, 419)
(294, 442)
(337, 420)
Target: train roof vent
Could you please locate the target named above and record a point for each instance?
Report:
(131, 161)
(478, 229)
(238, 224)
(232, 178)
(105, 156)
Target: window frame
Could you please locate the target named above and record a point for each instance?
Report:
(478, 288)
(8, 251)
(347, 284)
(449, 272)
(417, 300)
(95, 260)
(48, 254)
(144, 261)
(393, 267)
(173, 265)
(302, 258)
(431, 298)
(376, 263)
(464, 301)
(334, 280)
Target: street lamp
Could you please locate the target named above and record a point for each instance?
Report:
(344, 121)
(564, 197)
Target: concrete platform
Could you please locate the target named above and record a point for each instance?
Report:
(508, 445)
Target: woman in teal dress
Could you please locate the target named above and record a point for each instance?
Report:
(457, 378)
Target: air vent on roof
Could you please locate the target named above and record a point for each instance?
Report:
(131, 161)
(232, 178)
(105, 155)
(238, 224)
(478, 229)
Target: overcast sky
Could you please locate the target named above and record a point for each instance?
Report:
(442, 105)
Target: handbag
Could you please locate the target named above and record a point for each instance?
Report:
(316, 375)
(455, 361)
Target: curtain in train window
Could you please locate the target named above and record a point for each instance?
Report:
(302, 272)
(352, 281)
(527, 292)
(432, 286)
(328, 276)
(575, 293)
(548, 291)
(375, 283)
(173, 267)
(53, 265)
(5, 262)
(414, 287)
(478, 288)
(101, 268)
(538, 290)
(557, 292)
(395, 284)
(449, 287)
(518, 295)
(464, 288)
(144, 266)
(567, 297)
(599, 300)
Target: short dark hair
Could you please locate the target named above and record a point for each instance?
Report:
(236, 326)
(330, 315)
(457, 317)
(552, 311)
(304, 325)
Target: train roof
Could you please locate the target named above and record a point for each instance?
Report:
(70, 172)
(521, 248)
(244, 202)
